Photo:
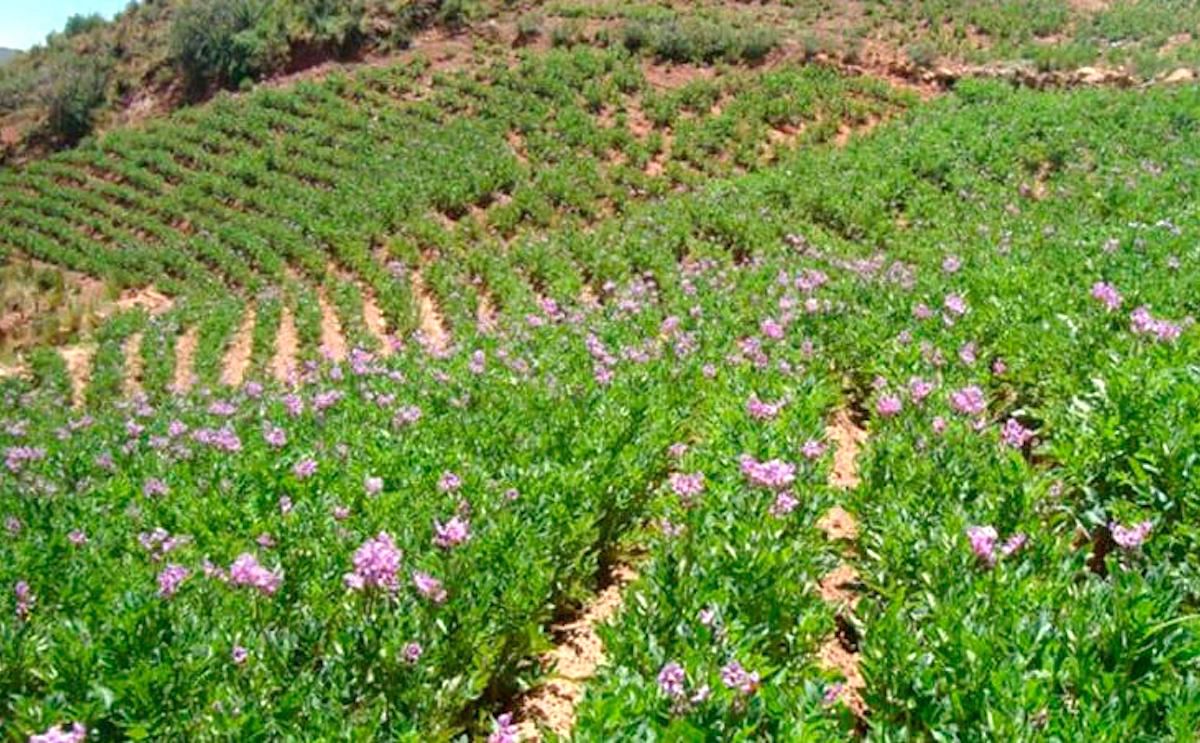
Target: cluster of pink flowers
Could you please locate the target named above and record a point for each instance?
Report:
(919, 389)
(687, 486)
(736, 677)
(968, 400)
(159, 542)
(304, 469)
(247, 571)
(983, 543)
(888, 406)
(1130, 537)
(1141, 322)
(1014, 434)
(762, 411)
(406, 416)
(169, 580)
(452, 533)
(77, 733)
(224, 439)
(429, 587)
(15, 457)
(1107, 295)
(774, 474)
(813, 449)
(504, 730)
(376, 563)
(672, 681)
(784, 504)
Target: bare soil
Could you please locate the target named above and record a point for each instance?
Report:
(237, 358)
(185, 359)
(577, 654)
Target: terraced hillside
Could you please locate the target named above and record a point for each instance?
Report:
(581, 391)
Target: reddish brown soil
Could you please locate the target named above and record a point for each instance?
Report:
(573, 661)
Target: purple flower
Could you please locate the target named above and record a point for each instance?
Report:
(153, 487)
(372, 486)
(275, 436)
(246, 571)
(504, 731)
(1130, 537)
(239, 655)
(77, 537)
(966, 353)
(376, 564)
(305, 468)
(293, 404)
(13, 525)
(451, 534)
(406, 416)
(671, 680)
(762, 411)
(449, 482)
(1107, 295)
(341, 512)
(919, 389)
(1015, 434)
(832, 693)
(968, 400)
(774, 474)
(429, 587)
(951, 264)
(25, 600)
(813, 449)
(771, 329)
(955, 305)
(983, 543)
(170, 579)
(784, 504)
(736, 677)
(412, 653)
(1013, 543)
(77, 733)
(888, 406)
(687, 486)
(285, 505)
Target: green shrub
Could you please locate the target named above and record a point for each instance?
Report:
(78, 24)
(75, 90)
(220, 42)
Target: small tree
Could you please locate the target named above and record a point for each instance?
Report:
(74, 91)
(219, 42)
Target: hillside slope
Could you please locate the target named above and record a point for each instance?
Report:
(155, 57)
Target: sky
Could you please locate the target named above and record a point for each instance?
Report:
(24, 23)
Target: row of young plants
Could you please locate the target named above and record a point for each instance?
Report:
(1009, 283)
(1001, 266)
(240, 190)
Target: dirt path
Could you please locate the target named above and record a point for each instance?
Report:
(577, 653)
(237, 358)
(287, 346)
(840, 587)
(134, 365)
(374, 320)
(486, 317)
(185, 359)
(333, 342)
(432, 325)
(79, 368)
